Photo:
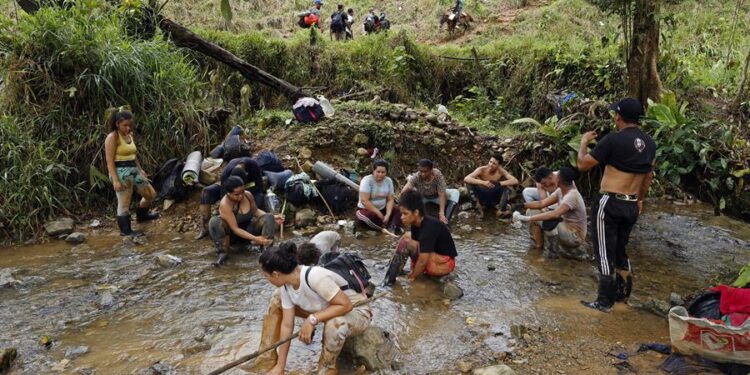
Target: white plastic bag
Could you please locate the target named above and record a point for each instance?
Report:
(714, 341)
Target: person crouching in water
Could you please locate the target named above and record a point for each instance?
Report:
(571, 232)
(316, 294)
(429, 244)
(125, 172)
(240, 219)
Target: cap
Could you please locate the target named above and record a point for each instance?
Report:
(318, 2)
(630, 109)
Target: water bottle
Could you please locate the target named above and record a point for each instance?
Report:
(327, 107)
(272, 201)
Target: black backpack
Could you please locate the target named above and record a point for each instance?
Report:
(268, 161)
(168, 181)
(295, 193)
(235, 147)
(351, 268)
(337, 22)
(339, 196)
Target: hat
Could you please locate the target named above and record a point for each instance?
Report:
(631, 110)
(318, 2)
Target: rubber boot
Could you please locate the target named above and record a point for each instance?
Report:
(270, 334)
(551, 250)
(221, 256)
(624, 285)
(606, 295)
(449, 208)
(123, 221)
(142, 214)
(204, 227)
(395, 266)
(537, 237)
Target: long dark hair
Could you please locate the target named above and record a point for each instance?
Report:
(282, 258)
(118, 115)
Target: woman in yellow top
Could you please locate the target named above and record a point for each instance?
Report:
(125, 172)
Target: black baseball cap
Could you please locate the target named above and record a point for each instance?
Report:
(630, 109)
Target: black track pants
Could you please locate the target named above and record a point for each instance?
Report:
(611, 223)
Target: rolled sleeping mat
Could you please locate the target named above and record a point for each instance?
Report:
(277, 180)
(325, 171)
(192, 169)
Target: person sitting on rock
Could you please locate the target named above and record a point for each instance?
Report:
(545, 184)
(213, 193)
(316, 294)
(377, 199)
(430, 183)
(240, 219)
(429, 244)
(571, 232)
(489, 185)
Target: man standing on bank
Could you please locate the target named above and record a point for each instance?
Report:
(628, 157)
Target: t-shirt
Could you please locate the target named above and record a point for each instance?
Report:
(428, 189)
(326, 240)
(575, 218)
(254, 173)
(379, 191)
(434, 237)
(629, 150)
(323, 286)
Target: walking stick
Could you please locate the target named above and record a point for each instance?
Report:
(248, 357)
(283, 208)
(330, 211)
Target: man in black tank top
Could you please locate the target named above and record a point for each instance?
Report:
(628, 157)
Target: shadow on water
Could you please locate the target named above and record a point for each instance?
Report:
(112, 297)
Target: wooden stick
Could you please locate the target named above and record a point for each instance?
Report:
(248, 357)
(283, 208)
(330, 211)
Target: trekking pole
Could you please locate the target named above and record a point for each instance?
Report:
(251, 356)
(330, 211)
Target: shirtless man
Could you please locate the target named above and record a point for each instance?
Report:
(489, 184)
(628, 156)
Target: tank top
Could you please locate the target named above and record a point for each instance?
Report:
(246, 217)
(125, 151)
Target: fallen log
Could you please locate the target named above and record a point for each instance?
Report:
(185, 38)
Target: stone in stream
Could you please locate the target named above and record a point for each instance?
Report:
(676, 299)
(167, 260)
(59, 226)
(7, 280)
(75, 238)
(75, 352)
(7, 358)
(495, 370)
(450, 289)
(304, 218)
(107, 300)
(374, 349)
(159, 368)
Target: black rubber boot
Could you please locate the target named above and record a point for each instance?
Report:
(606, 295)
(123, 222)
(449, 208)
(396, 264)
(204, 228)
(623, 287)
(221, 256)
(142, 214)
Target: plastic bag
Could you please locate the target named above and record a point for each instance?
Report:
(714, 341)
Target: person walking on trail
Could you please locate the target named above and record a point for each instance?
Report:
(240, 219)
(570, 207)
(429, 244)
(458, 9)
(317, 295)
(126, 173)
(349, 21)
(338, 23)
(253, 177)
(628, 156)
(377, 199)
(430, 183)
(489, 185)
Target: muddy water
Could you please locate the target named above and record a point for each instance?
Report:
(196, 318)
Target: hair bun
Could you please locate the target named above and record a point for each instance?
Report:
(288, 248)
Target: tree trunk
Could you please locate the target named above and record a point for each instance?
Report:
(743, 84)
(183, 37)
(643, 75)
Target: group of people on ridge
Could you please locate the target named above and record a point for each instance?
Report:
(342, 21)
(554, 208)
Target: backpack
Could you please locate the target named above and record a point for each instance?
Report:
(311, 19)
(268, 161)
(351, 268)
(339, 196)
(235, 147)
(337, 22)
(309, 114)
(302, 23)
(168, 181)
(295, 193)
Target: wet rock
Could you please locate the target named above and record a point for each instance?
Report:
(7, 358)
(676, 300)
(464, 366)
(59, 226)
(60, 366)
(76, 238)
(374, 349)
(495, 370)
(463, 215)
(432, 119)
(135, 240)
(305, 153)
(7, 280)
(196, 347)
(451, 290)
(167, 260)
(159, 368)
(307, 167)
(75, 352)
(87, 371)
(304, 218)
(518, 331)
(656, 306)
(361, 139)
(107, 300)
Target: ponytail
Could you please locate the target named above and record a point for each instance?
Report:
(115, 115)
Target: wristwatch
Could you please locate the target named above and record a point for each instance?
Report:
(313, 320)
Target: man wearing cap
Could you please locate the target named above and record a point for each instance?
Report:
(569, 206)
(429, 182)
(628, 157)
